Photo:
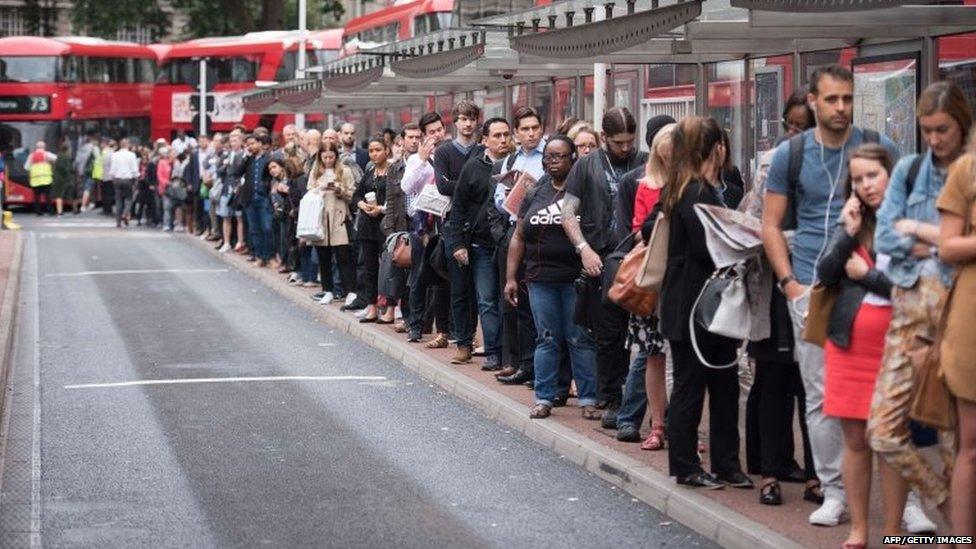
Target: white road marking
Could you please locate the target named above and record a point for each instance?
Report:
(79, 224)
(326, 344)
(35, 521)
(221, 380)
(139, 271)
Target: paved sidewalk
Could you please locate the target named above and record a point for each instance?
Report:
(11, 246)
(730, 517)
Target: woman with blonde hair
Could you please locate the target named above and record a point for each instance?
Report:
(645, 384)
(334, 181)
(908, 232)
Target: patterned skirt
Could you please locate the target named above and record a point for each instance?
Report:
(643, 337)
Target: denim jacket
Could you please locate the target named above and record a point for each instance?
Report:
(904, 269)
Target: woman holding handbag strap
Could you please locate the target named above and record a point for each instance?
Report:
(957, 246)
(855, 338)
(697, 158)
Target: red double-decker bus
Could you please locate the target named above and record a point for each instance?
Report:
(56, 89)
(240, 63)
(402, 20)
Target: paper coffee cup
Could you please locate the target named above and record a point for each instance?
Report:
(371, 198)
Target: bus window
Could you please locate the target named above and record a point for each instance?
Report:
(430, 22)
(28, 69)
(229, 69)
(17, 140)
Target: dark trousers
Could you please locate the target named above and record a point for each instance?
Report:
(612, 356)
(691, 380)
(776, 388)
(286, 242)
(343, 258)
(39, 208)
(367, 275)
(108, 196)
(123, 199)
(518, 326)
(464, 307)
(429, 299)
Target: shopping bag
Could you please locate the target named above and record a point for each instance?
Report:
(310, 218)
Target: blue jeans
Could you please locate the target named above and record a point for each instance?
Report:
(553, 305)
(635, 394)
(486, 288)
(259, 229)
(308, 263)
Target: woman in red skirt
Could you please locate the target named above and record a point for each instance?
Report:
(856, 335)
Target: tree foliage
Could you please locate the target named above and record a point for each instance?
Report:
(232, 17)
(105, 18)
(204, 17)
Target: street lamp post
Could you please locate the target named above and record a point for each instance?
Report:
(302, 63)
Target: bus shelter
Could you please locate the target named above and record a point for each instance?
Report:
(736, 61)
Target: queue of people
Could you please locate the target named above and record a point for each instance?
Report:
(502, 231)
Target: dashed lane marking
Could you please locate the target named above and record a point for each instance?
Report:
(138, 271)
(221, 380)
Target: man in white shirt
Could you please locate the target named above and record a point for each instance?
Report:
(124, 170)
(417, 174)
(182, 142)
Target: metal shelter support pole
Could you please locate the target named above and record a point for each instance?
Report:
(302, 59)
(599, 94)
(701, 91)
(203, 97)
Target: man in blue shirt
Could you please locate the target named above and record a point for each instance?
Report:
(818, 197)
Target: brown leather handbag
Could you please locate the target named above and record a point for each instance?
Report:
(625, 292)
(401, 252)
(932, 404)
(822, 301)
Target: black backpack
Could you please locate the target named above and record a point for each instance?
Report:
(797, 143)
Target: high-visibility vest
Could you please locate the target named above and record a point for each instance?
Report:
(98, 169)
(40, 173)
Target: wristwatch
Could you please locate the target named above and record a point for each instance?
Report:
(783, 282)
(580, 247)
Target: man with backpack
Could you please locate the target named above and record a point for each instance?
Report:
(805, 194)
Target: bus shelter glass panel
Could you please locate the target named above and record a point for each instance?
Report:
(542, 103)
(810, 61)
(625, 89)
(588, 99)
(668, 89)
(442, 106)
(492, 102)
(564, 99)
(885, 93)
(728, 104)
(957, 61)
(520, 95)
(771, 79)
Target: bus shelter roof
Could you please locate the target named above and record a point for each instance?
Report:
(532, 44)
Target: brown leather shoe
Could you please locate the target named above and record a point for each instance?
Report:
(463, 355)
(506, 371)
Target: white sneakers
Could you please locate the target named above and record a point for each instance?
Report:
(350, 297)
(831, 513)
(327, 298)
(224, 249)
(914, 519)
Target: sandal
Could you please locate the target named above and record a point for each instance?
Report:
(769, 493)
(591, 413)
(540, 411)
(655, 440)
(439, 342)
(813, 492)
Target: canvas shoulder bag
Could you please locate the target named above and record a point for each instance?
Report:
(650, 276)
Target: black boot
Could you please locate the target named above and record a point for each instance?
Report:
(519, 377)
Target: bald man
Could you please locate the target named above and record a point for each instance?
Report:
(347, 135)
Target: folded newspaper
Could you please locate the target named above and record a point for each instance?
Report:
(432, 202)
(513, 202)
(731, 236)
